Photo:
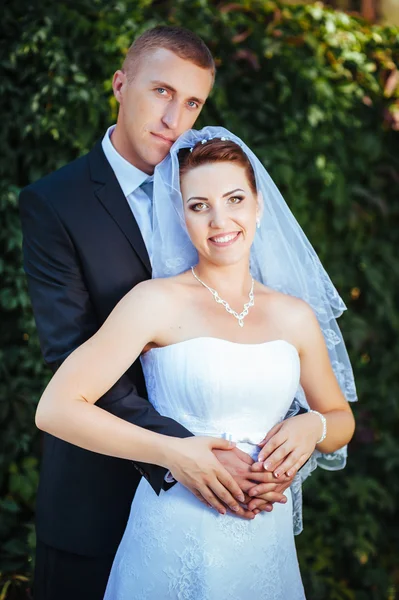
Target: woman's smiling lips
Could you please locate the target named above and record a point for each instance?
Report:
(225, 239)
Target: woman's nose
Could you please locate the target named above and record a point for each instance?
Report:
(218, 219)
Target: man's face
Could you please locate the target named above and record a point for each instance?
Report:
(162, 102)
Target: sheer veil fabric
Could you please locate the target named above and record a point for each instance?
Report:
(281, 258)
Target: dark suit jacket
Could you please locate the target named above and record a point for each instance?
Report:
(83, 251)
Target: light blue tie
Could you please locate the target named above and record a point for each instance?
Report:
(148, 187)
(145, 217)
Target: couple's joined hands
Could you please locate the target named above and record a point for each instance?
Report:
(220, 475)
(268, 489)
(224, 477)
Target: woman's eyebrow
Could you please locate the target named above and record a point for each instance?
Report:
(224, 195)
(232, 192)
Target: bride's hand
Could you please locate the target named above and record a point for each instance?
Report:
(289, 444)
(192, 463)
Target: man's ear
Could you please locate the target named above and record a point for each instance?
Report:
(119, 81)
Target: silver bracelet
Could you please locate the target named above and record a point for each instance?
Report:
(324, 422)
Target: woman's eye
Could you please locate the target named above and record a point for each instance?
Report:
(161, 91)
(236, 199)
(199, 206)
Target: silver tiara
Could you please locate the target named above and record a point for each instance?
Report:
(222, 139)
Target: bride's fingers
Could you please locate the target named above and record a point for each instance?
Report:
(256, 468)
(232, 490)
(259, 468)
(206, 496)
(291, 464)
(219, 488)
(201, 499)
(275, 458)
(272, 445)
(287, 464)
(271, 433)
(295, 468)
(211, 499)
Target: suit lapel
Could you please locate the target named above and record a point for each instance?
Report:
(110, 194)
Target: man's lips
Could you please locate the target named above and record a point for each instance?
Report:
(225, 239)
(164, 139)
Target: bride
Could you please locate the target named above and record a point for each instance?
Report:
(225, 346)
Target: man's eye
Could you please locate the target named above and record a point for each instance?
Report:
(193, 104)
(161, 91)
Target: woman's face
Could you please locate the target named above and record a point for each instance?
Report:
(220, 210)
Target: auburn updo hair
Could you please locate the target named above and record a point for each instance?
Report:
(216, 150)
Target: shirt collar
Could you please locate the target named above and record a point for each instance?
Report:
(128, 176)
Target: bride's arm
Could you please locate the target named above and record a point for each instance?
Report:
(67, 407)
(68, 411)
(289, 444)
(321, 386)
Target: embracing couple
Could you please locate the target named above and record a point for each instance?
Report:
(192, 332)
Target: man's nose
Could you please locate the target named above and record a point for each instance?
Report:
(171, 117)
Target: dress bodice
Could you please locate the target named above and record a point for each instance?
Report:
(174, 546)
(217, 387)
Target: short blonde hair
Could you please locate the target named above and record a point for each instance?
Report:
(184, 43)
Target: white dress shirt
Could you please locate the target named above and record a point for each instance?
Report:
(130, 178)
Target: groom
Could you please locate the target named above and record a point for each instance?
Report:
(87, 241)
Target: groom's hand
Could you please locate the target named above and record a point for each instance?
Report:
(273, 492)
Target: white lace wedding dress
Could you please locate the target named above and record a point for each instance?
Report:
(174, 547)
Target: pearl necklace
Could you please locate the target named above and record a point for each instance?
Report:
(240, 317)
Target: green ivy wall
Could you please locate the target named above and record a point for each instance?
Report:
(315, 94)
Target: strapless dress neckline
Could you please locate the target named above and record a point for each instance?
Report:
(205, 338)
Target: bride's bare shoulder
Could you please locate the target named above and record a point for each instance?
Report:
(159, 292)
(284, 305)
